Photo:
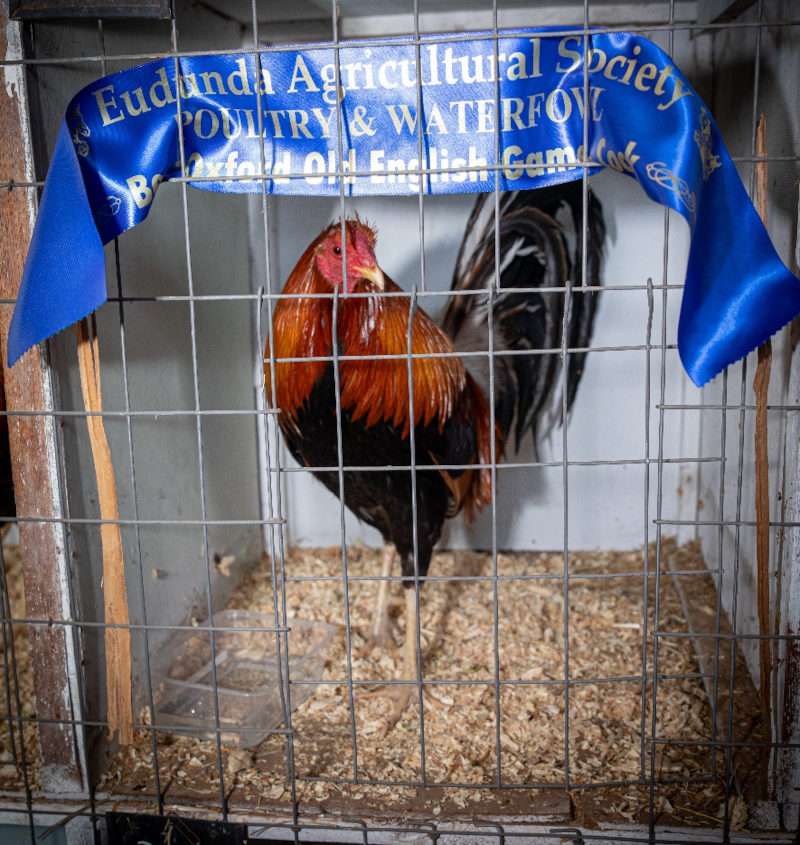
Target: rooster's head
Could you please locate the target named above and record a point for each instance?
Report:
(357, 250)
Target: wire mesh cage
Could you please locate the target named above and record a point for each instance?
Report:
(590, 658)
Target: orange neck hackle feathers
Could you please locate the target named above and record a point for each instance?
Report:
(375, 387)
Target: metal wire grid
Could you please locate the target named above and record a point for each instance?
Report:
(648, 679)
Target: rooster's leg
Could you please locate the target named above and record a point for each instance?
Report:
(380, 635)
(381, 629)
(403, 694)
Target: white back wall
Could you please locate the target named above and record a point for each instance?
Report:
(606, 502)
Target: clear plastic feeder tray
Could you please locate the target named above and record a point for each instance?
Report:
(247, 676)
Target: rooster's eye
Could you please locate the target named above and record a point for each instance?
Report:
(337, 250)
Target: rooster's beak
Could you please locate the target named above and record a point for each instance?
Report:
(374, 274)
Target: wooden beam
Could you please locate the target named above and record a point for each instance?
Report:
(33, 454)
(719, 11)
(43, 9)
(115, 594)
(761, 391)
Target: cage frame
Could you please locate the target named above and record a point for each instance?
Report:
(31, 404)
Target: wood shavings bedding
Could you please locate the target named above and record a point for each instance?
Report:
(603, 654)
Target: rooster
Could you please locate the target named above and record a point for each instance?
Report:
(447, 409)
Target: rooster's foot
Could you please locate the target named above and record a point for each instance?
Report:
(379, 637)
(401, 698)
(402, 695)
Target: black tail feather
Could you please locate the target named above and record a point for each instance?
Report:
(540, 247)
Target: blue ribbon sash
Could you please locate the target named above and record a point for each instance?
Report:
(509, 109)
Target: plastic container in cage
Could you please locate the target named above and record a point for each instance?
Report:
(247, 676)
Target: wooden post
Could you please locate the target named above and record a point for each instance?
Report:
(115, 594)
(761, 390)
(33, 455)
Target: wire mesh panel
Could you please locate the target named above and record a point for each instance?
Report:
(585, 653)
